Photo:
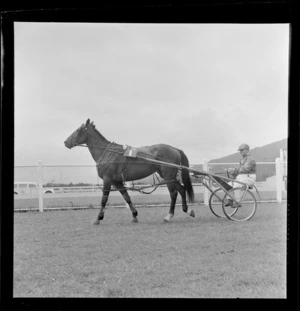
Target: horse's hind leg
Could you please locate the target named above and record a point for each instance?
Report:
(182, 192)
(127, 199)
(173, 194)
(106, 191)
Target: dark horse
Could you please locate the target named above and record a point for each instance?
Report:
(114, 168)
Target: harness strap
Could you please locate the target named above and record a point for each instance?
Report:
(124, 171)
(106, 149)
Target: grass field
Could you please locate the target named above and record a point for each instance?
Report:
(61, 254)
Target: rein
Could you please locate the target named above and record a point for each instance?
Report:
(122, 153)
(140, 189)
(100, 148)
(115, 151)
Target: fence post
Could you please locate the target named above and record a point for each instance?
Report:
(205, 194)
(40, 183)
(278, 180)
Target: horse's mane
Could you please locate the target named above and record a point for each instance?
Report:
(98, 133)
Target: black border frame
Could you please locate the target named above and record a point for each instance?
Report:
(206, 12)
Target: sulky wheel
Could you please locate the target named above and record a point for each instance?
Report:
(246, 208)
(216, 201)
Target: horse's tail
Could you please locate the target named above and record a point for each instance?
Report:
(186, 179)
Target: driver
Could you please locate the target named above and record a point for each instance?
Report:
(246, 173)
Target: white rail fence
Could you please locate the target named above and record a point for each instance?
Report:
(41, 174)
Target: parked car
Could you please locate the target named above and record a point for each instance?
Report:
(29, 187)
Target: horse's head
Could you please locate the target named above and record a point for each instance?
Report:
(79, 136)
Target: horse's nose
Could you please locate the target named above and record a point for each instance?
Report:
(67, 144)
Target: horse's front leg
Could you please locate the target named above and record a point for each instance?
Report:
(105, 194)
(127, 199)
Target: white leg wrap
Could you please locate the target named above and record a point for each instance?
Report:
(168, 217)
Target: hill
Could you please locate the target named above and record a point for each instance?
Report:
(266, 153)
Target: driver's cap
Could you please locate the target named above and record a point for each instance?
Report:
(243, 146)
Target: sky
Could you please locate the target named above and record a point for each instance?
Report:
(202, 88)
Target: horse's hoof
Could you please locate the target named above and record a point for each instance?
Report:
(97, 222)
(134, 220)
(192, 214)
(166, 220)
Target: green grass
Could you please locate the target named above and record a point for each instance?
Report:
(60, 254)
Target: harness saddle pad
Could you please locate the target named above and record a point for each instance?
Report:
(130, 151)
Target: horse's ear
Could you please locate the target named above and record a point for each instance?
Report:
(92, 123)
(87, 122)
